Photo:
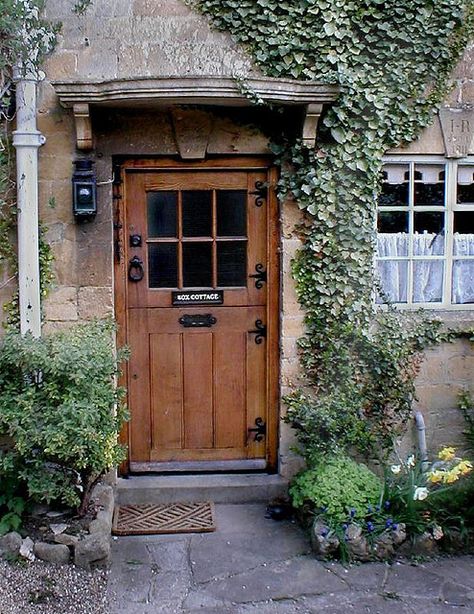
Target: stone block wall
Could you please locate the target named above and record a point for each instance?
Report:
(446, 371)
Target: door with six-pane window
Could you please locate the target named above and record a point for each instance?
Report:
(197, 288)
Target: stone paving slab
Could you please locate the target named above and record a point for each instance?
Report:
(255, 565)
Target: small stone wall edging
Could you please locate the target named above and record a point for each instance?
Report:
(90, 551)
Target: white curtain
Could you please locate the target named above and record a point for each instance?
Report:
(427, 274)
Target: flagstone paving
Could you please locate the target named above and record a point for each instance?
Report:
(253, 564)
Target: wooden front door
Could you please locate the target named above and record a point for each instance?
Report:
(199, 268)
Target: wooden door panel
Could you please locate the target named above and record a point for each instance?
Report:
(207, 385)
(166, 402)
(230, 384)
(195, 181)
(197, 385)
(194, 392)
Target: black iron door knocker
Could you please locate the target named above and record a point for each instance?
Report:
(135, 269)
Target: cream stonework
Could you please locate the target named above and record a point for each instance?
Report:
(134, 39)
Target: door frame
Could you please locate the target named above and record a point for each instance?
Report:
(122, 165)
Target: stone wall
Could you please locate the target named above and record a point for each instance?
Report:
(127, 39)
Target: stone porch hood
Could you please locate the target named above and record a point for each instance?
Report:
(189, 90)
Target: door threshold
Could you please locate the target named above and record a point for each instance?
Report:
(199, 466)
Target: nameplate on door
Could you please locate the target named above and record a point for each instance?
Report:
(213, 297)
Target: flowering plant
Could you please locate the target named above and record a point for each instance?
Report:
(411, 484)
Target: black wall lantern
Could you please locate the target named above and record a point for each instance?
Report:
(84, 191)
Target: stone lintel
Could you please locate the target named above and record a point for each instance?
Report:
(192, 90)
(172, 91)
(83, 123)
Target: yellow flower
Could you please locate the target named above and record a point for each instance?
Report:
(451, 476)
(435, 477)
(464, 467)
(447, 454)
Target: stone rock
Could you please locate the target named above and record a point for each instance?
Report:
(100, 524)
(10, 544)
(66, 539)
(424, 545)
(93, 551)
(26, 549)
(58, 528)
(322, 542)
(103, 497)
(52, 553)
(399, 534)
(383, 547)
(39, 510)
(56, 514)
(356, 543)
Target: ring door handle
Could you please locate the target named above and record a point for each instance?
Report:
(135, 269)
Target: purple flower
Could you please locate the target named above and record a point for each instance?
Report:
(394, 526)
(344, 526)
(387, 504)
(353, 513)
(370, 526)
(388, 523)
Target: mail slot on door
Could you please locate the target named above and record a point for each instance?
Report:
(198, 320)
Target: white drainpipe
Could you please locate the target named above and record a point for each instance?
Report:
(27, 140)
(422, 449)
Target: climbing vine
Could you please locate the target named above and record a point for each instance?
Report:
(25, 38)
(392, 60)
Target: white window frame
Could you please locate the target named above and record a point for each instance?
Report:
(451, 166)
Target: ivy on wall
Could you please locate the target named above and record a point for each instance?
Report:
(392, 60)
(25, 38)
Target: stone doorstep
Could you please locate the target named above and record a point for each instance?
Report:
(219, 488)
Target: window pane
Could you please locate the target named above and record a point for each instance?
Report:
(161, 207)
(428, 281)
(463, 281)
(197, 265)
(394, 186)
(393, 277)
(392, 221)
(392, 244)
(429, 190)
(463, 240)
(163, 265)
(232, 213)
(232, 263)
(197, 213)
(465, 191)
(429, 234)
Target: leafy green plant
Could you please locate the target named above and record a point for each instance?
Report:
(363, 385)
(339, 487)
(60, 405)
(13, 496)
(466, 405)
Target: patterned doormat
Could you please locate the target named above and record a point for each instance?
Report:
(164, 518)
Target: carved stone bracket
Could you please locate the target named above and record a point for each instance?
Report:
(82, 119)
(310, 126)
